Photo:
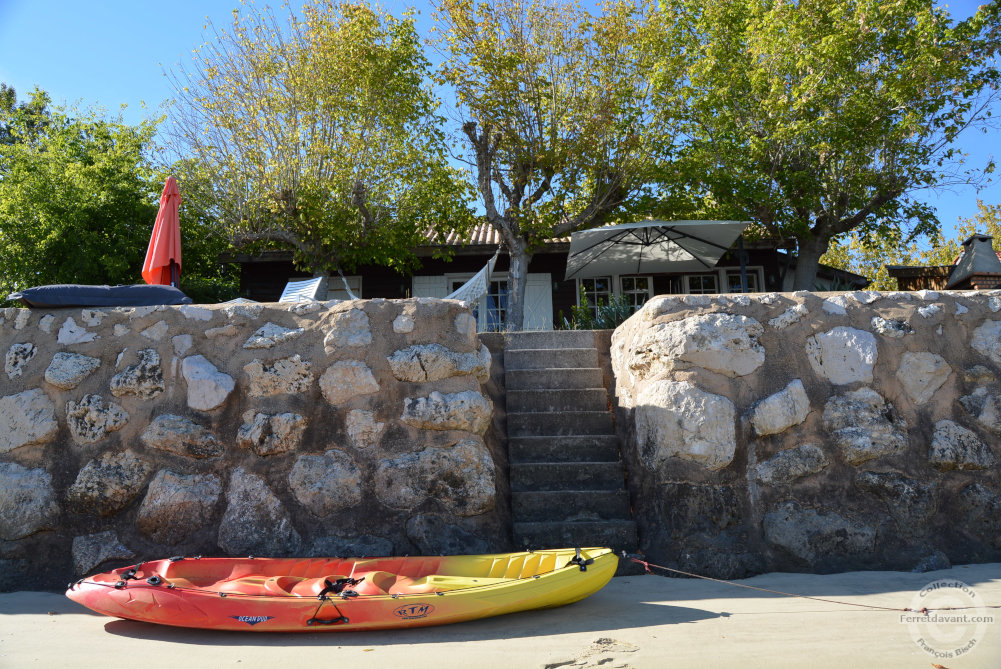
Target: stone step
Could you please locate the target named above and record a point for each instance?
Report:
(557, 400)
(570, 505)
(566, 377)
(563, 423)
(552, 339)
(587, 448)
(619, 535)
(543, 476)
(541, 358)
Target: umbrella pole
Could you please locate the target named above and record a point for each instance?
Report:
(175, 274)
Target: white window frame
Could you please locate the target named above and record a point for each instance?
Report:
(649, 289)
(722, 284)
(615, 288)
(455, 280)
(543, 319)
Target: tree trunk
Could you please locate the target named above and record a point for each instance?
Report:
(808, 262)
(517, 281)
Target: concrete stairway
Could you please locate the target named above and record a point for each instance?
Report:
(567, 481)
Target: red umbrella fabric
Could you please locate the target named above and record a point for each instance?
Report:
(163, 257)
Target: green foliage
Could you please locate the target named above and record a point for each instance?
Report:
(820, 117)
(76, 197)
(321, 136)
(604, 316)
(868, 256)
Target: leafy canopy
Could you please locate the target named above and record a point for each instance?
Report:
(77, 200)
(821, 117)
(554, 104)
(320, 135)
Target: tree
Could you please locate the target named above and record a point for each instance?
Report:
(76, 199)
(818, 118)
(321, 136)
(555, 113)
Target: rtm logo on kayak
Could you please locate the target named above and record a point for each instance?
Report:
(413, 611)
(252, 620)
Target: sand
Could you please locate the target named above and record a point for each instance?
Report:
(635, 621)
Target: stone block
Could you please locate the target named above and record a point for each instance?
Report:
(327, 483)
(285, 376)
(91, 550)
(208, 388)
(255, 522)
(89, 420)
(181, 436)
(922, 374)
(777, 413)
(955, 447)
(143, 379)
(270, 335)
(677, 419)
(26, 418)
(68, 370)
(460, 478)
(177, 505)
(18, 355)
(792, 464)
(812, 535)
(347, 379)
(107, 485)
(469, 411)
(27, 501)
(363, 430)
(271, 434)
(864, 425)
(843, 355)
(434, 362)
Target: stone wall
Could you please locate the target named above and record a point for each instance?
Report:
(818, 432)
(307, 429)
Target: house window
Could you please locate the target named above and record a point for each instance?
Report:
(496, 306)
(597, 290)
(636, 290)
(701, 284)
(733, 282)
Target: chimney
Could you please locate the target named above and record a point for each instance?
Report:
(978, 258)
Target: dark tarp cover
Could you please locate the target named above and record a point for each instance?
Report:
(77, 295)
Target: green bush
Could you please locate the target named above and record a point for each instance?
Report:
(606, 316)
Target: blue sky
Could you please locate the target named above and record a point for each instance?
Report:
(110, 53)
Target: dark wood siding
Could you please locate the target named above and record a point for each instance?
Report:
(263, 278)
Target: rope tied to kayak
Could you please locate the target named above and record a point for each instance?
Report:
(649, 566)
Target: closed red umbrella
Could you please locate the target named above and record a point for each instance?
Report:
(163, 257)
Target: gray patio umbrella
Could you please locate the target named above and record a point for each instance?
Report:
(650, 247)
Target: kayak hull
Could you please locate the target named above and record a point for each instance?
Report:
(319, 594)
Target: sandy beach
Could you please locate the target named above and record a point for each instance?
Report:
(635, 621)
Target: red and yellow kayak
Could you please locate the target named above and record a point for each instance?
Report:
(314, 594)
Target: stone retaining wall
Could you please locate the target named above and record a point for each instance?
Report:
(817, 432)
(307, 429)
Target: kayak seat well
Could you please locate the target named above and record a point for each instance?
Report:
(372, 583)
